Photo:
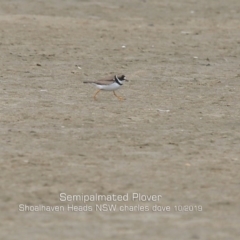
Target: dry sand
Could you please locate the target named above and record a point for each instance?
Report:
(175, 135)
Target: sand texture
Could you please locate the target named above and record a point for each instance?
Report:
(176, 134)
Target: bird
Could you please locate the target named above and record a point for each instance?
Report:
(109, 84)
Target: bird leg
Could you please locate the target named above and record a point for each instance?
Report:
(96, 94)
(119, 97)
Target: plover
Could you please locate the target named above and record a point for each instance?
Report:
(109, 84)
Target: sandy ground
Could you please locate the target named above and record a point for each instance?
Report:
(175, 135)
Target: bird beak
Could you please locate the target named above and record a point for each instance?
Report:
(126, 80)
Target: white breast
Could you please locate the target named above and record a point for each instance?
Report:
(110, 87)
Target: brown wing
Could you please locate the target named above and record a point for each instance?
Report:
(103, 81)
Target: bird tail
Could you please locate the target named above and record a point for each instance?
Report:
(88, 82)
